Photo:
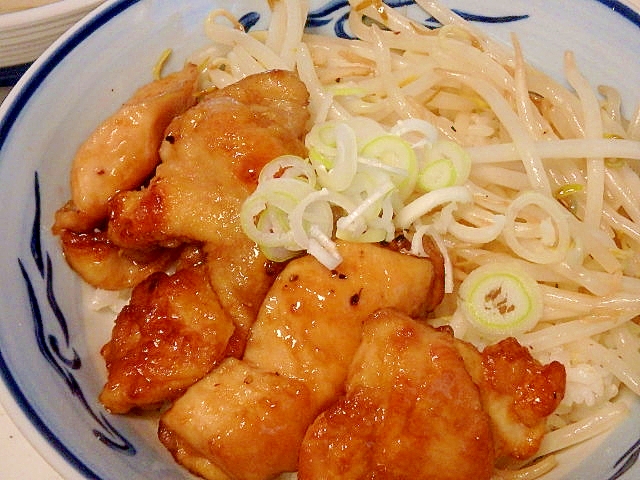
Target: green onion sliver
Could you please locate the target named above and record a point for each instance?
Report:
(312, 211)
(425, 132)
(429, 201)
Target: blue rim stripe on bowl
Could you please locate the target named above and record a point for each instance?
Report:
(622, 9)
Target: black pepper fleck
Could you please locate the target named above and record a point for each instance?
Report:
(335, 273)
(355, 298)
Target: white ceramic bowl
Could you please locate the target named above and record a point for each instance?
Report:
(49, 358)
(25, 34)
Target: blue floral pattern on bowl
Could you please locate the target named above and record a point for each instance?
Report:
(55, 347)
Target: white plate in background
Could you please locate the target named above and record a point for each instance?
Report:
(26, 34)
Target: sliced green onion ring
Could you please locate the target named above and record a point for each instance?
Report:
(398, 157)
(501, 299)
(288, 166)
(264, 215)
(446, 164)
(337, 172)
(554, 238)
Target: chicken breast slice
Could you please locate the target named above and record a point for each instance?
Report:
(123, 151)
(171, 334)
(517, 392)
(411, 411)
(211, 156)
(241, 278)
(239, 422)
(420, 404)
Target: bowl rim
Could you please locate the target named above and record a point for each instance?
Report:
(44, 13)
(15, 402)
